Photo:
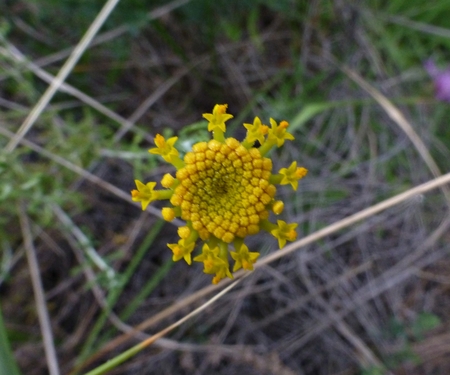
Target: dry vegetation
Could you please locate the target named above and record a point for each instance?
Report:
(370, 298)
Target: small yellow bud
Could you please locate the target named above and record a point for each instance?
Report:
(278, 207)
(167, 181)
(168, 213)
(184, 232)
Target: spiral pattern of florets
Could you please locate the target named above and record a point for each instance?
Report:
(224, 189)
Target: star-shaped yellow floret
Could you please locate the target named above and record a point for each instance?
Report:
(210, 258)
(284, 232)
(213, 263)
(221, 272)
(144, 193)
(182, 249)
(244, 258)
(218, 118)
(256, 131)
(278, 134)
(292, 174)
(165, 148)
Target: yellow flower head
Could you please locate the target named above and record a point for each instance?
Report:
(225, 191)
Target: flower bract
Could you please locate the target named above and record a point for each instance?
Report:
(224, 190)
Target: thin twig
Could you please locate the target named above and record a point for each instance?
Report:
(353, 219)
(12, 52)
(83, 173)
(394, 276)
(397, 116)
(332, 228)
(90, 275)
(62, 75)
(84, 243)
(419, 26)
(364, 354)
(113, 363)
(112, 34)
(39, 296)
(152, 99)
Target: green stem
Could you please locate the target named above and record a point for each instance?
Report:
(219, 135)
(238, 241)
(8, 364)
(115, 293)
(116, 361)
(177, 211)
(275, 179)
(223, 253)
(164, 194)
(248, 145)
(177, 162)
(266, 147)
(156, 278)
(267, 225)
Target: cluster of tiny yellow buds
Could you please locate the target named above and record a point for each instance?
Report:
(225, 191)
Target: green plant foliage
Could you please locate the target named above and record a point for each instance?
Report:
(76, 16)
(8, 365)
(424, 323)
(404, 355)
(402, 40)
(26, 182)
(406, 334)
(232, 16)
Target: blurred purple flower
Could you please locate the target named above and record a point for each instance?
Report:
(441, 80)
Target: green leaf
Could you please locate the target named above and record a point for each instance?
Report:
(424, 323)
(8, 364)
(307, 113)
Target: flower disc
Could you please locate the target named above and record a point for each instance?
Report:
(224, 189)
